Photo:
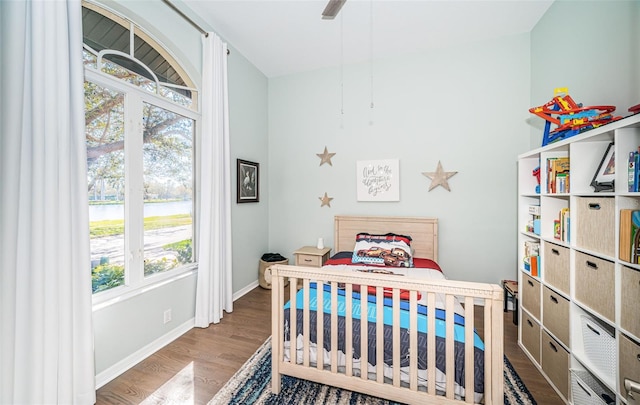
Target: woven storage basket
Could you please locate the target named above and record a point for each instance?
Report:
(264, 266)
(599, 346)
(586, 390)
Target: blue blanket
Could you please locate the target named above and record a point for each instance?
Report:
(440, 331)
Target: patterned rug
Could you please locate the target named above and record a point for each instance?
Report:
(252, 385)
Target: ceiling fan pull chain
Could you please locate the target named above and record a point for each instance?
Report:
(341, 65)
(371, 46)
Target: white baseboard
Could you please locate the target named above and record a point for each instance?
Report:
(133, 359)
(141, 354)
(245, 290)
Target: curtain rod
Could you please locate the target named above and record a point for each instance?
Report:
(189, 20)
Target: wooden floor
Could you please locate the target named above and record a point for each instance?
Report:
(191, 369)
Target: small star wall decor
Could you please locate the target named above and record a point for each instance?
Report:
(439, 177)
(325, 157)
(326, 200)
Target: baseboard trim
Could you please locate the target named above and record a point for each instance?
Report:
(141, 354)
(245, 290)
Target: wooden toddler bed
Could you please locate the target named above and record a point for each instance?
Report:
(422, 318)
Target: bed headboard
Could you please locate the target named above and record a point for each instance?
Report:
(423, 232)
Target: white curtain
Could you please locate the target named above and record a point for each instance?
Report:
(46, 352)
(214, 287)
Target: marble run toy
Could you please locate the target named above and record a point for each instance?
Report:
(570, 117)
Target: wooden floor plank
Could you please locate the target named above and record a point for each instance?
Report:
(192, 368)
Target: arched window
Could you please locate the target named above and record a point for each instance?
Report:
(140, 117)
(123, 50)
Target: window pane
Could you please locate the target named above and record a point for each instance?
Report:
(112, 64)
(168, 189)
(88, 59)
(176, 96)
(104, 120)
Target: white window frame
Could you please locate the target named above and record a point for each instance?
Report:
(135, 282)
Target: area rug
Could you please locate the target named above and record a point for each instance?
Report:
(252, 385)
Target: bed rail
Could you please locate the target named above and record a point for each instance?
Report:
(375, 382)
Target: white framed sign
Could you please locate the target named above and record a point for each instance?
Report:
(378, 180)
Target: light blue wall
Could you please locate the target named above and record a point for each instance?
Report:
(248, 120)
(591, 47)
(122, 329)
(466, 106)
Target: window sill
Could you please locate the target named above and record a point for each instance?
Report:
(119, 294)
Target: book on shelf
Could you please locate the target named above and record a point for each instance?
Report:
(562, 183)
(633, 171)
(565, 225)
(636, 179)
(532, 257)
(533, 225)
(558, 175)
(532, 265)
(531, 248)
(629, 238)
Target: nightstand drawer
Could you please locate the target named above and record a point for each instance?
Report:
(308, 260)
(311, 256)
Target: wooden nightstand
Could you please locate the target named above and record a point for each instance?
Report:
(311, 256)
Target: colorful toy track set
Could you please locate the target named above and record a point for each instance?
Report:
(570, 118)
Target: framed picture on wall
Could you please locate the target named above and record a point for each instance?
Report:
(378, 180)
(248, 181)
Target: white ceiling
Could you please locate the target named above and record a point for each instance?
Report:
(282, 37)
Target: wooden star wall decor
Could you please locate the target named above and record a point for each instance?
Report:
(439, 177)
(326, 200)
(325, 157)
